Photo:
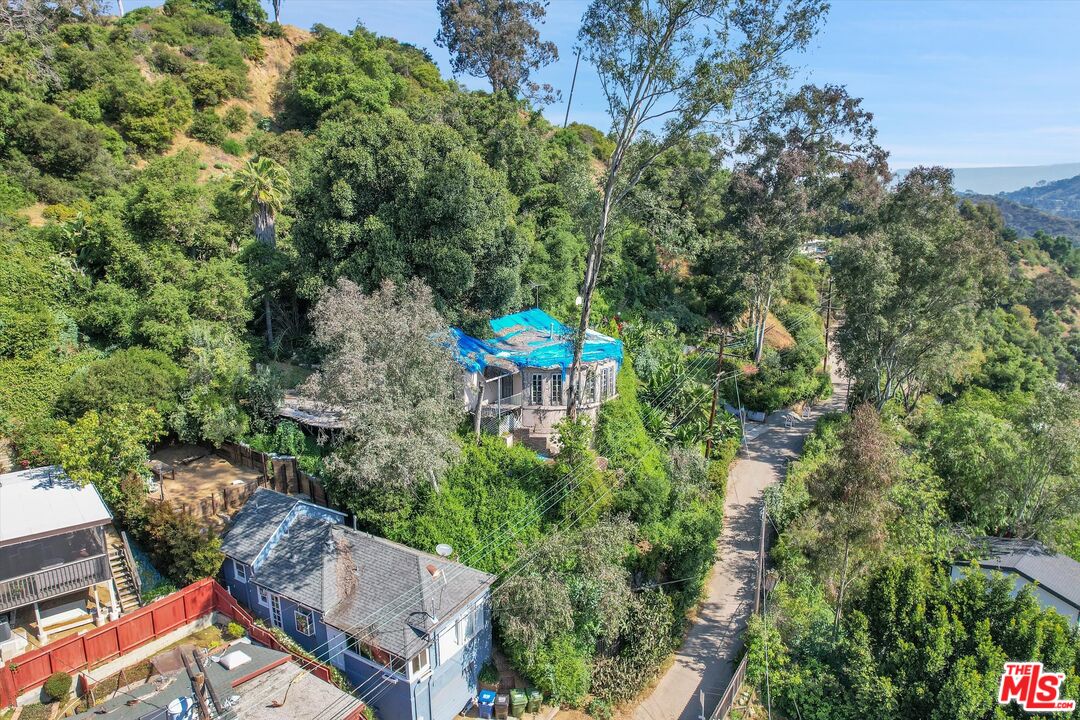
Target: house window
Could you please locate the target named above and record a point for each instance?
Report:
(607, 382)
(556, 389)
(362, 648)
(466, 627)
(420, 663)
(264, 596)
(239, 571)
(590, 385)
(536, 397)
(305, 621)
(275, 611)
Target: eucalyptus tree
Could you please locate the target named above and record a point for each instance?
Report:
(911, 288)
(673, 70)
(498, 39)
(263, 184)
(809, 166)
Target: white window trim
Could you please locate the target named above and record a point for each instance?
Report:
(262, 596)
(280, 621)
(533, 394)
(301, 610)
(556, 382)
(472, 616)
(422, 669)
(239, 571)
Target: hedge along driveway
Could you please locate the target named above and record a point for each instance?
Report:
(709, 653)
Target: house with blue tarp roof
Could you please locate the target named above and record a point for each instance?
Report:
(517, 378)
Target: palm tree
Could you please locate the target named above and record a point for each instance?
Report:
(263, 184)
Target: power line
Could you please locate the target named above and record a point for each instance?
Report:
(561, 487)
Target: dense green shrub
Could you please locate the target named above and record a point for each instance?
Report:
(488, 486)
(57, 686)
(235, 118)
(182, 548)
(561, 671)
(150, 114)
(207, 126)
(207, 84)
(55, 142)
(233, 147)
(235, 630)
(622, 439)
(619, 678)
(134, 377)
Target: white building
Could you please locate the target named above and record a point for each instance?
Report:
(523, 370)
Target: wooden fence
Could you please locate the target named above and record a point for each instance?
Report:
(277, 472)
(107, 642)
(734, 686)
(131, 631)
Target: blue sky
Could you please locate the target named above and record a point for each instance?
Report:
(961, 84)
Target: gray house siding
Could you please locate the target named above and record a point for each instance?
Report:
(453, 683)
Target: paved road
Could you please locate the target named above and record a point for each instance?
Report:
(705, 661)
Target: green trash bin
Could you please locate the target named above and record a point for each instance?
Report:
(518, 701)
(535, 699)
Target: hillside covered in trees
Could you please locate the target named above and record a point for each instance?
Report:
(1060, 197)
(1027, 219)
(200, 208)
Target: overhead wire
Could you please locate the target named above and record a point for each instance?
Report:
(550, 497)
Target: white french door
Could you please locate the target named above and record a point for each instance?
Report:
(275, 611)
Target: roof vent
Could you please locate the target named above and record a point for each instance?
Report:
(433, 571)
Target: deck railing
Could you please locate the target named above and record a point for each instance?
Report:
(53, 582)
(132, 567)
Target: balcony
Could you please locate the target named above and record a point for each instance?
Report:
(53, 582)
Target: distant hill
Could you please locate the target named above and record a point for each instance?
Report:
(994, 180)
(1061, 197)
(1026, 220)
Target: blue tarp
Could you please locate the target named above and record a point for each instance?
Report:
(531, 338)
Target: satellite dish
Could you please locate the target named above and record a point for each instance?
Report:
(444, 550)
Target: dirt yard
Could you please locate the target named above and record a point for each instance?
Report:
(199, 473)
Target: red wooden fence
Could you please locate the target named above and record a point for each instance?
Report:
(132, 631)
(107, 642)
(226, 605)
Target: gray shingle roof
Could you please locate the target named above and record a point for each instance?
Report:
(255, 524)
(395, 580)
(294, 568)
(361, 583)
(1056, 573)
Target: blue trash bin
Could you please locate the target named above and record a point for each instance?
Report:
(485, 704)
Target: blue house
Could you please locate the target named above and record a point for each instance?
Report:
(410, 630)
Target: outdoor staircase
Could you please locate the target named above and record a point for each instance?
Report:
(128, 595)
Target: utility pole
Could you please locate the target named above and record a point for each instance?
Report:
(715, 392)
(573, 82)
(828, 317)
